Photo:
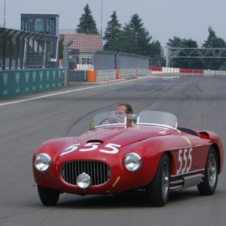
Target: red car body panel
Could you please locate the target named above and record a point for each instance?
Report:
(187, 153)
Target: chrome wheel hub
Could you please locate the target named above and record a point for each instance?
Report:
(165, 180)
(211, 170)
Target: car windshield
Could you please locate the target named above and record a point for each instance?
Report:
(147, 117)
(157, 118)
(108, 118)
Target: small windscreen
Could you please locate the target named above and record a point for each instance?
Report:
(157, 118)
(109, 118)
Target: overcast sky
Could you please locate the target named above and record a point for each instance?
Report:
(163, 19)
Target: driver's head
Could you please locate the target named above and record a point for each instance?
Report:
(123, 110)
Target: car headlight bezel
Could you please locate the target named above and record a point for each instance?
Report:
(132, 162)
(42, 162)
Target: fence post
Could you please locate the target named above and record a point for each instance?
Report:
(66, 63)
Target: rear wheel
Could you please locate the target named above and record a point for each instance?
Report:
(209, 184)
(158, 189)
(48, 196)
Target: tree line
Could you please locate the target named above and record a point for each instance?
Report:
(133, 37)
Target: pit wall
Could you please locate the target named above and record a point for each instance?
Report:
(192, 71)
(19, 82)
(105, 75)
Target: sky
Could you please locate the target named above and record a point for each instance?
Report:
(164, 19)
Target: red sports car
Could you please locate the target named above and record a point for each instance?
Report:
(150, 153)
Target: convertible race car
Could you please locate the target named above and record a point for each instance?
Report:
(150, 153)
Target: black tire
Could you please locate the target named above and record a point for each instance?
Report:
(209, 184)
(49, 197)
(158, 189)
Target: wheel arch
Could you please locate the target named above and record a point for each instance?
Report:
(217, 150)
(169, 155)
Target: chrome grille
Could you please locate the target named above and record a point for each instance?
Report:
(98, 171)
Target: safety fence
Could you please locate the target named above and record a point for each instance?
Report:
(104, 60)
(129, 60)
(105, 75)
(127, 73)
(83, 66)
(187, 71)
(144, 72)
(109, 60)
(28, 81)
(22, 50)
(77, 75)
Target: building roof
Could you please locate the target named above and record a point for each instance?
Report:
(84, 42)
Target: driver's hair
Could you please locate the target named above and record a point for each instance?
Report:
(128, 108)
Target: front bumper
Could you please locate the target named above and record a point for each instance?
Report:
(119, 179)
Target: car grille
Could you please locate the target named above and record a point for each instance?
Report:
(98, 171)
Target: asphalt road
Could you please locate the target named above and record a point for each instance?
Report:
(199, 103)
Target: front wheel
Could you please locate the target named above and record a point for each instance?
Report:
(48, 196)
(158, 189)
(209, 184)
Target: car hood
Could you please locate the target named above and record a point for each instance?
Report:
(122, 135)
(108, 138)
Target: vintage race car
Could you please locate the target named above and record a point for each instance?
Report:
(150, 153)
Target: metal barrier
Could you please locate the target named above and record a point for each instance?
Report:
(129, 60)
(21, 50)
(103, 75)
(18, 82)
(77, 75)
(103, 60)
(144, 72)
(127, 73)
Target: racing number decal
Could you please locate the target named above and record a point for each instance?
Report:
(184, 155)
(93, 146)
(111, 146)
(70, 149)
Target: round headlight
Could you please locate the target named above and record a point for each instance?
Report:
(42, 162)
(83, 180)
(132, 162)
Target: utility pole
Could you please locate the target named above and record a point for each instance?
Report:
(102, 22)
(4, 14)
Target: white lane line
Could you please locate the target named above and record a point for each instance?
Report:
(60, 93)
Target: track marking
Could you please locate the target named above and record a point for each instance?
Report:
(61, 93)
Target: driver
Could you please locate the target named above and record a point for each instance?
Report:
(122, 111)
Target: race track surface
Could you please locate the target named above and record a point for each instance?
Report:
(198, 103)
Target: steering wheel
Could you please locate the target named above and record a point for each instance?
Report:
(103, 120)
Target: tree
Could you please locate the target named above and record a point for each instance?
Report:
(87, 24)
(61, 50)
(214, 42)
(156, 53)
(132, 38)
(127, 41)
(112, 33)
(141, 35)
(191, 63)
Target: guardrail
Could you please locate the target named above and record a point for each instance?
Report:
(104, 75)
(19, 82)
(189, 71)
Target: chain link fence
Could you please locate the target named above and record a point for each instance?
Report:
(23, 50)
